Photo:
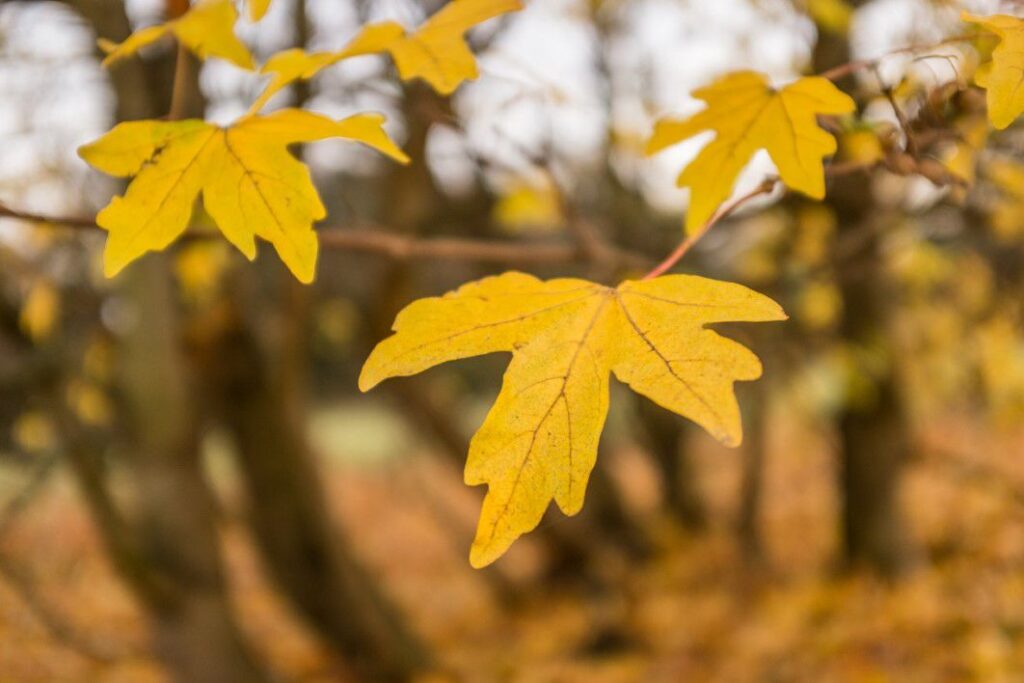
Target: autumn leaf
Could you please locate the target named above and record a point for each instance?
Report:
(1002, 77)
(295, 64)
(748, 115)
(251, 186)
(539, 440)
(207, 29)
(437, 51)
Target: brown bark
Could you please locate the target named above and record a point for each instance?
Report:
(167, 549)
(310, 560)
(748, 518)
(665, 434)
(873, 442)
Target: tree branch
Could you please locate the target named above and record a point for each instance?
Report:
(381, 242)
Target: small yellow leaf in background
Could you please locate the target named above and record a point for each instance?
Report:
(961, 158)
(199, 267)
(89, 403)
(819, 305)
(749, 115)
(437, 51)
(257, 9)
(1000, 357)
(539, 440)
(251, 185)
(1007, 215)
(527, 207)
(1001, 77)
(831, 15)
(861, 146)
(207, 30)
(34, 432)
(40, 311)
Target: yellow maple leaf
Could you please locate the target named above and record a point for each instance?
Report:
(1001, 77)
(437, 51)
(748, 115)
(539, 441)
(251, 185)
(207, 29)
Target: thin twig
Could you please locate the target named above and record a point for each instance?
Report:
(900, 116)
(378, 241)
(766, 187)
(843, 70)
(76, 222)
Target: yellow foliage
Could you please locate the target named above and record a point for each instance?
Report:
(528, 207)
(199, 267)
(831, 15)
(747, 115)
(539, 441)
(1008, 213)
(1001, 77)
(89, 403)
(207, 30)
(816, 225)
(98, 360)
(40, 311)
(819, 305)
(34, 432)
(251, 185)
(922, 265)
(337, 321)
(1000, 351)
(962, 157)
(862, 146)
(437, 51)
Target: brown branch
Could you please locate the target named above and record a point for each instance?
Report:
(75, 222)
(843, 70)
(463, 249)
(377, 241)
(766, 187)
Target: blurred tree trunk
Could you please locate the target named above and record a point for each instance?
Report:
(755, 447)
(195, 631)
(873, 434)
(263, 361)
(665, 434)
(311, 561)
(168, 551)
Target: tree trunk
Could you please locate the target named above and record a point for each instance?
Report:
(874, 437)
(665, 434)
(167, 551)
(310, 560)
(748, 519)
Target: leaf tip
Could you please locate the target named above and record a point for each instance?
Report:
(368, 378)
(481, 555)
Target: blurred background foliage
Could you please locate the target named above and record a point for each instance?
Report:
(191, 488)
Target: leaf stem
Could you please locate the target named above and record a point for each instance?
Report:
(767, 186)
(843, 70)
